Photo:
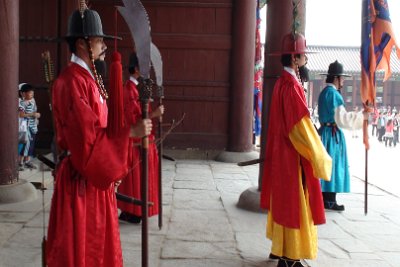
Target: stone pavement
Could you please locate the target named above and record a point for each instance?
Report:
(203, 226)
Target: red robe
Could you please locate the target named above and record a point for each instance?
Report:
(280, 174)
(83, 225)
(131, 184)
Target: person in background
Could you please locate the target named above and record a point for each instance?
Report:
(295, 159)
(389, 133)
(374, 122)
(396, 125)
(389, 111)
(381, 126)
(28, 111)
(131, 184)
(333, 118)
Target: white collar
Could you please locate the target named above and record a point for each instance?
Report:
(133, 79)
(331, 84)
(291, 71)
(80, 62)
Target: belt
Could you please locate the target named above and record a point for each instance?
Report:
(334, 129)
(329, 124)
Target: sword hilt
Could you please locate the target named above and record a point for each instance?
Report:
(131, 200)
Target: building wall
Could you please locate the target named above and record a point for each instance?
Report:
(194, 38)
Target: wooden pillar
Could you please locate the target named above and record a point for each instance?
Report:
(279, 23)
(9, 58)
(242, 76)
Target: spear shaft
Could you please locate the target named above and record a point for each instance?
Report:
(144, 188)
(144, 87)
(160, 152)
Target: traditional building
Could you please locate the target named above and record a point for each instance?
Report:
(387, 93)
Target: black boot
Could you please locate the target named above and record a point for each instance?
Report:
(273, 257)
(286, 262)
(333, 206)
(330, 201)
(125, 216)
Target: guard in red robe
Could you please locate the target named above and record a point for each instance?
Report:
(130, 186)
(294, 160)
(83, 226)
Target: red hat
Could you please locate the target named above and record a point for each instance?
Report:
(293, 44)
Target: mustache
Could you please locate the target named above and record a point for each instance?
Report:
(102, 53)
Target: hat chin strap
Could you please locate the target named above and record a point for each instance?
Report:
(296, 69)
(336, 82)
(99, 80)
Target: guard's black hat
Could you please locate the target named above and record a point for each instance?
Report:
(133, 62)
(335, 69)
(87, 26)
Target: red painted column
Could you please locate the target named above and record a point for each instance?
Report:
(242, 76)
(9, 58)
(279, 23)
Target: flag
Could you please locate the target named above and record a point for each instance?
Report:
(377, 43)
(258, 77)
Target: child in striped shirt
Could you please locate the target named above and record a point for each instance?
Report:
(28, 110)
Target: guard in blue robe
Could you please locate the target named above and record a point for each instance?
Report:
(333, 118)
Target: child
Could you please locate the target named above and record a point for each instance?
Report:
(22, 129)
(28, 111)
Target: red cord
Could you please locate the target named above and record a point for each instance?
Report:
(116, 20)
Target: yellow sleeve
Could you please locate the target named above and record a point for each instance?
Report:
(307, 142)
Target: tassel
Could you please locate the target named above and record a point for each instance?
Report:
(116, 119)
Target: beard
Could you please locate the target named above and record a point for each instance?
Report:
(101, 67)
(304, 73)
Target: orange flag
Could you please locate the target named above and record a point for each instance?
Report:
(378, 41)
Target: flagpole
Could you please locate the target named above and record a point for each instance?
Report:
(365, 47)
(366, 144)
(366, 183)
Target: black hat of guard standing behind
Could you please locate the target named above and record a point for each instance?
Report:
(133, 63)
(336, 69)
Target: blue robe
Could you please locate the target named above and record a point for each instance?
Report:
(335, 143)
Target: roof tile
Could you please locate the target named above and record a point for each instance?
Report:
(349, 56)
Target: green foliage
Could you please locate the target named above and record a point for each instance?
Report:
(296, 22)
